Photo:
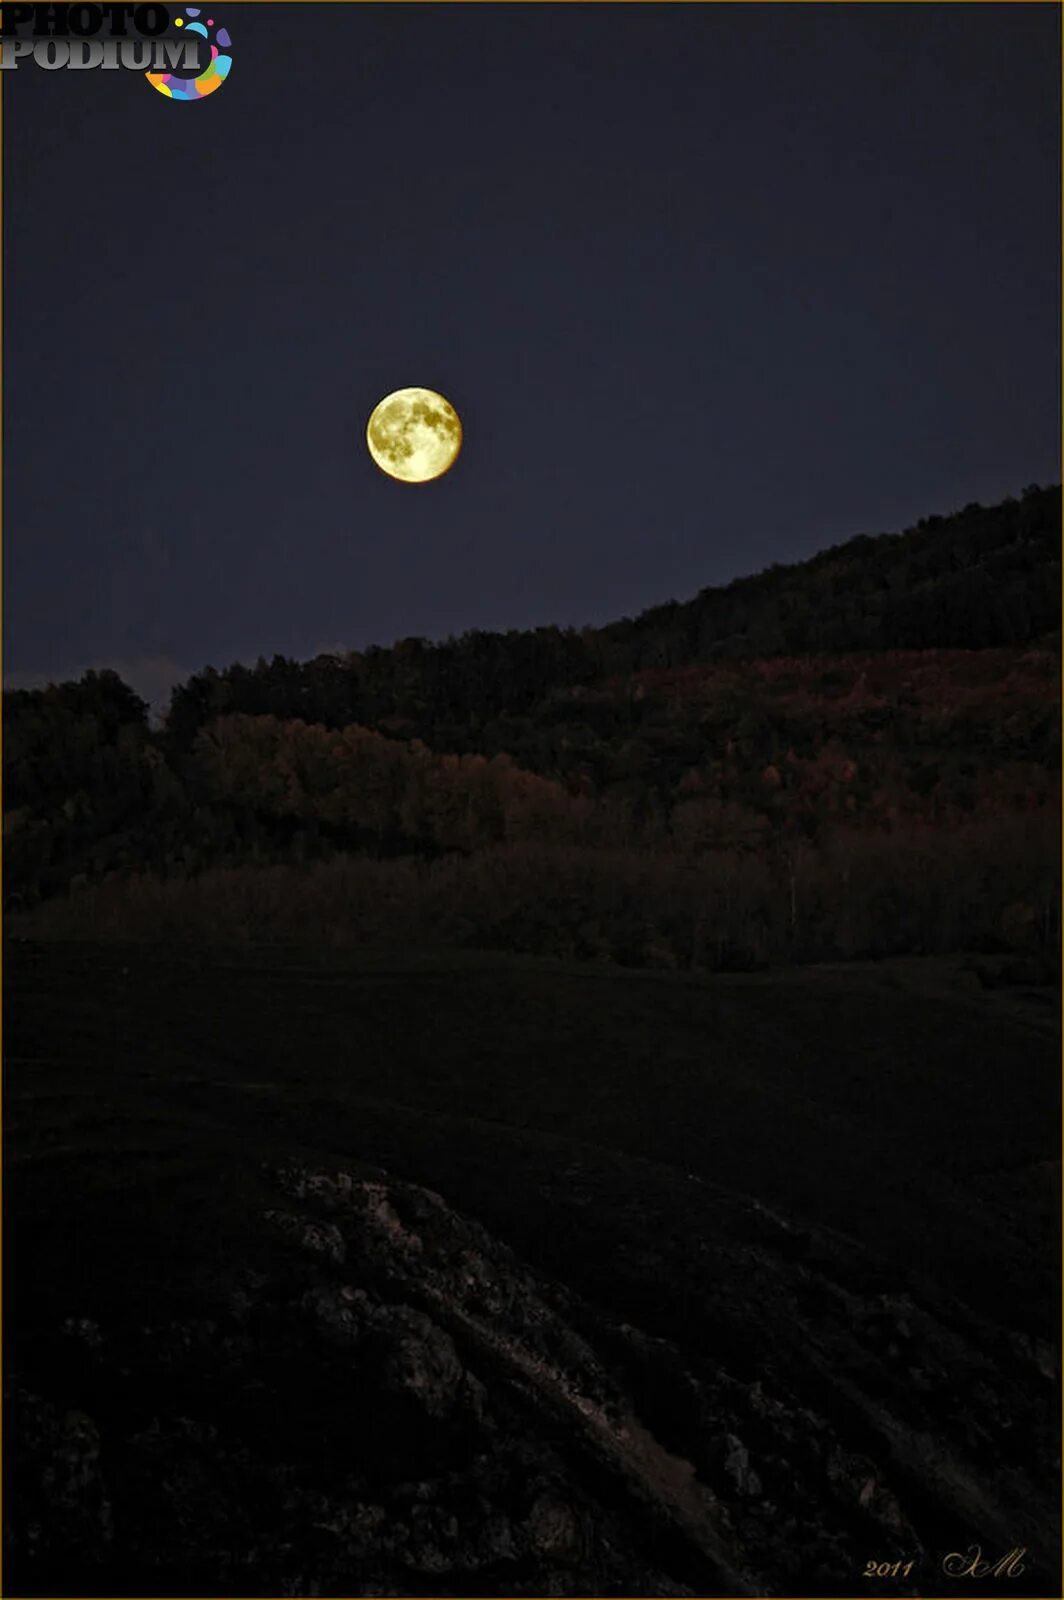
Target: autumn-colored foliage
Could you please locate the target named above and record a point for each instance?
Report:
(789, 781)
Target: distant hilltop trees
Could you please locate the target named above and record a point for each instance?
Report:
(984, 577)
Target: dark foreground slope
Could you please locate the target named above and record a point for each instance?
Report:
(471, 1275)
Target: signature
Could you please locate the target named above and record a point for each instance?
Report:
(972, 1563)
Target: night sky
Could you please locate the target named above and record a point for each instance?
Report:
(710, 286)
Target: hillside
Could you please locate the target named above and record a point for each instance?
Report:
(368, 1231)
(436, 1274)
(987, 575)
(984, 577)
(510, 792)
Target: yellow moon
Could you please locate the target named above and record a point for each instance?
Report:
(414, 435)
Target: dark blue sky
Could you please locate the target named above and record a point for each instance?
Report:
(711, 287)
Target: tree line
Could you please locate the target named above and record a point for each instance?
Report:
(984, 577)
(776, 781)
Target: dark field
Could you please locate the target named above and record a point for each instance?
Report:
(781, 1300)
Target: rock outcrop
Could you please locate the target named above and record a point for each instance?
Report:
(377, 1397)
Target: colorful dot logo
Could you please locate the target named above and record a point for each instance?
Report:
(214, 73)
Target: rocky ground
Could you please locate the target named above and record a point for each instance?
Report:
(243, 1358)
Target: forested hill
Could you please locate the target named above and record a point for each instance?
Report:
(983, 577)
(857, 754)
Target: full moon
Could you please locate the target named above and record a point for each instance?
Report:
(414, 435)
